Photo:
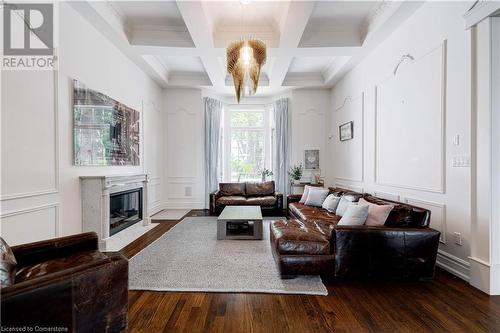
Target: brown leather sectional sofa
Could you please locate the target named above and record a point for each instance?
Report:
(311, 242)
(246, 194)
(67, 283)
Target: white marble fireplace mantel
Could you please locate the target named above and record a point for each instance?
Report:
(96, 191)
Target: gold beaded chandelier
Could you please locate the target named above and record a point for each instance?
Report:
(245, 58)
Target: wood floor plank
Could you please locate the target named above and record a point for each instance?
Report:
(446, 304)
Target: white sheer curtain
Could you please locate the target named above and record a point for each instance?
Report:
(281, 147)
(213, 117)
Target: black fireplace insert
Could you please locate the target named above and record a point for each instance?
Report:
(125, 209)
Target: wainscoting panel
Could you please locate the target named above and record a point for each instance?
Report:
(309, 133)
(184, 141)
(388, 196)
(181, 143)
(31, 224)
(350, 166)
(438, 214)
(29, 134)
(410, 132)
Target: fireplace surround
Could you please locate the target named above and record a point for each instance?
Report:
(111, 204)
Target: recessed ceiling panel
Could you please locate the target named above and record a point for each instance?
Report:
(138, 13)
(310, 64)
(182, 64)
(235, 14)
(337, 23)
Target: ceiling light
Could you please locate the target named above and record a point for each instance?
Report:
(245, 59)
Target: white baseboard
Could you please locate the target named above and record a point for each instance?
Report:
(184, 205)
(454, 265)
(485, 276)
(155, 209)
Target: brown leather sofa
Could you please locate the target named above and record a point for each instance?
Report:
(67, 283)
(311, 242)
(247, 194)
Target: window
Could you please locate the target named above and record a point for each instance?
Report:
(247, 143)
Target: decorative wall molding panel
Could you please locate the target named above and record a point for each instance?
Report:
(404, 119)
(438, 214)
(30, 167)
(386, 195)
(183, 186)
(350, 169)
(31, 224)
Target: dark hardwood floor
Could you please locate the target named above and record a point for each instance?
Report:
(446, 304)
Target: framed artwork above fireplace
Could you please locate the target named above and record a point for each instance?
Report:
(105, 132)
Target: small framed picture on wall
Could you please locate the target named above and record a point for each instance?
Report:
(311, 159)
(346, 131)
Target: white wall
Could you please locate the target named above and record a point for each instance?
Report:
(184, 149)
(184, 138)
(309, 111)
(405, 124)
(46, 202)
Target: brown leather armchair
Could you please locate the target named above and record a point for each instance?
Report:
(67, 283)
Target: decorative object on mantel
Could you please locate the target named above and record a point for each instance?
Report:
(311, 159)
(266, 173)
(295, 172)
(105, 132)
(244, 61)
(346, 131)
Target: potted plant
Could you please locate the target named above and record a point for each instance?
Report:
(295, 172)
(266, 173)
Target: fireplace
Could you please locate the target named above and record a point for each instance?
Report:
(113, 206)
(125, 209)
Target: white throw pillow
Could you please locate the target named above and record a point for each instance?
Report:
(305, 194)
(316, 196)
(342, 206)
(354, 215)
(331, 202)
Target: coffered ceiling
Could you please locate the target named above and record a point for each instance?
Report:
(182, 43)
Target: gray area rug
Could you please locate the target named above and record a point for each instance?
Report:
(190, 258)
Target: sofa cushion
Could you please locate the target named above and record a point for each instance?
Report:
(232, 200)
(267, 200)
(7, 264)
(57, 265)
(232, 189)
(344, 203)
(354, 215)
(305, 194)
(312, 213)
(294, 237)
(331, 202)
(377, 214)
(316, 197)
(260, 189)
(402, 215)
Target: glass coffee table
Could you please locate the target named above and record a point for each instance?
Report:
(240, 222)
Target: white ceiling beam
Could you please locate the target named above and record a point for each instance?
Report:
(199, 27)
(105, 20)
(292, 27)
